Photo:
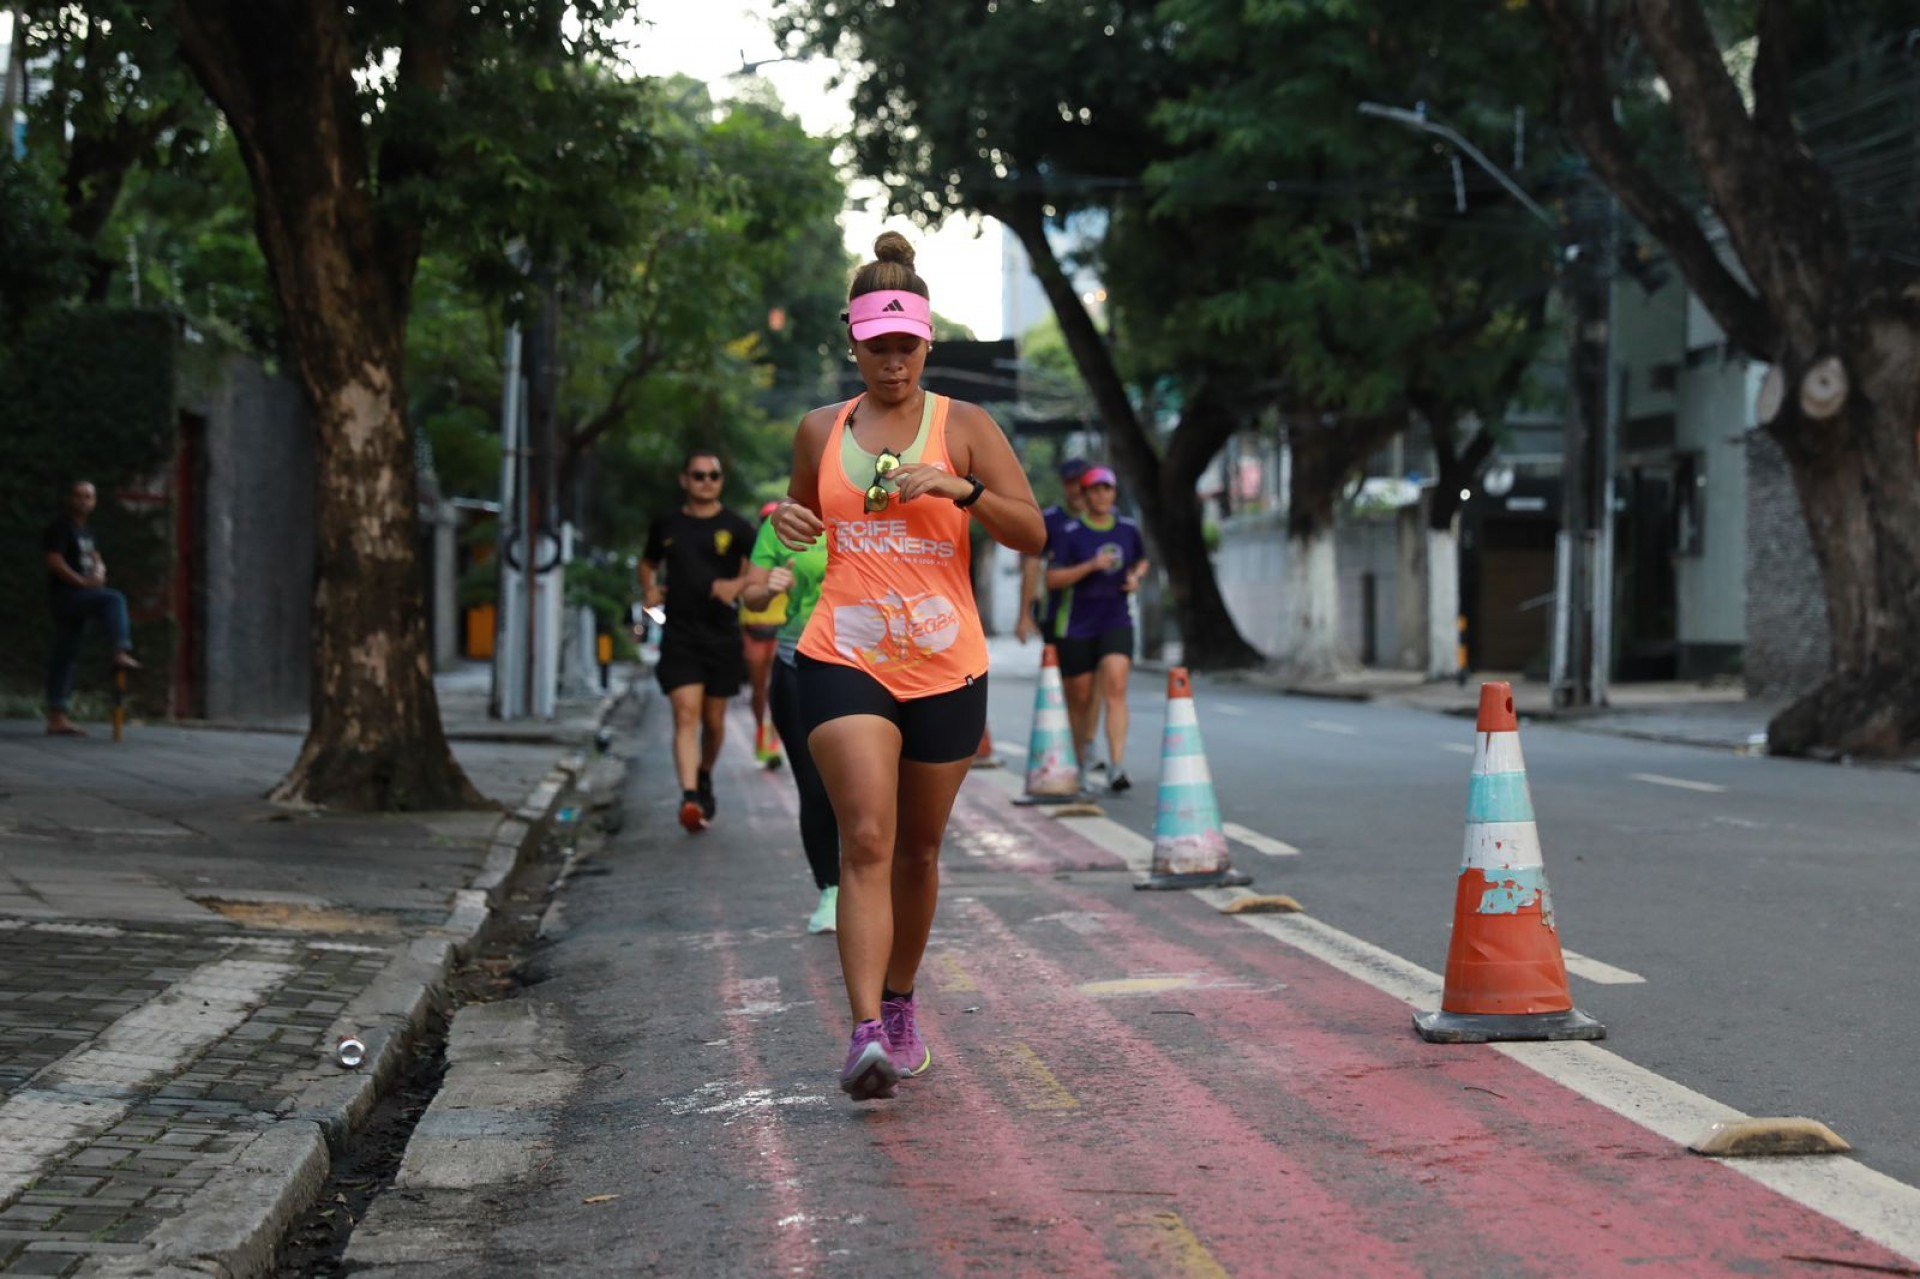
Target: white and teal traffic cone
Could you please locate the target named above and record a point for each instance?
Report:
(1053, 768)
(1189, 846)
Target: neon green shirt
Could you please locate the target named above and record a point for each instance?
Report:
(809, 573)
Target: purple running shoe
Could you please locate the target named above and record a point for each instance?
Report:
(911, 1056)
(869, 1071)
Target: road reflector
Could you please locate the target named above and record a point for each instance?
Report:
(1750, 1138)
(1269, 904)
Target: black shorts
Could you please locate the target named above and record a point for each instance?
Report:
(717, 663)
(1082, 656)
(933, 730)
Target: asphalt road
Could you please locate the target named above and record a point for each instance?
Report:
(1128, 1083)
(1768, 904)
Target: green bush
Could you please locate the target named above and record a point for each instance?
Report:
(87, 393)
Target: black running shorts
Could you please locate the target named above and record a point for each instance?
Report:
(933, 730)
(1082, 656)
(717, 663)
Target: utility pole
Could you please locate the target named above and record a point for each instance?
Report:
(505, 635)
(1582, 647)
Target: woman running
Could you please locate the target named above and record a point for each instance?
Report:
(1098, 562)
(777, 569)
(893, 664)
(760, 623)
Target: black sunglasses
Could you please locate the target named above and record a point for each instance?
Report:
(878, 494)
(704, 475)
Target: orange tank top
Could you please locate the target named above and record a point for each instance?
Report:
(897, 602)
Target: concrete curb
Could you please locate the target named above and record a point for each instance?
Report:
(232, 1226)
(490, 1125)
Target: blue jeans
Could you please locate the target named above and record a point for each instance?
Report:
(71, 613)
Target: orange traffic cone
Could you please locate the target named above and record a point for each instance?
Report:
(1053, 767)
(984, 757)
(1506, 978)
(1189, 846)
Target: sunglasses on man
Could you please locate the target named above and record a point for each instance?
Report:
(704, 475)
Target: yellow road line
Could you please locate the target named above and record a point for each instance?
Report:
(1173, 1247)
(1038, 1087)
(952, 978)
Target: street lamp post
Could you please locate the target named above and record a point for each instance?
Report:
(1583, 608)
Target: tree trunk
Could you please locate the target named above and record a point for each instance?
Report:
(283, 77)
(1310, 608)
(1324, 458)
(1858, 476)
(1210, 638)
(1844, 338)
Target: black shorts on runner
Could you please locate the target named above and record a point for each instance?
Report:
(1082, 656)
(718, 664)
(933, 730)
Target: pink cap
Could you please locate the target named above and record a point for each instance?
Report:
(1099, 475)
(890, 311)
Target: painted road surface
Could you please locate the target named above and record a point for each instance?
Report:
(1124, 1083)
(1772, 919)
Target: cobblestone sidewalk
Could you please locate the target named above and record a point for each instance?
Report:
(139, 1063)
(177, 962)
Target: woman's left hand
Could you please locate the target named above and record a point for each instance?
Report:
(918, 479)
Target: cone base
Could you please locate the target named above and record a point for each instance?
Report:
(1071, 797)
(1443, 1027)
(1225, 877)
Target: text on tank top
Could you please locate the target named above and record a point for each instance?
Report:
(897, 602)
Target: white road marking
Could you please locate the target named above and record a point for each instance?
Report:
(1011, 748)
(1458, 748)
(1877, 1206)
(1227, 709)
(1326, 726)
(1257, 842)
(79, 1097)
(1595, 971)
(1133, 848)
(1678, 783)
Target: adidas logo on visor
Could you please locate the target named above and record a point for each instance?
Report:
(892, 306)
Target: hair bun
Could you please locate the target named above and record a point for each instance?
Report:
(893, 247)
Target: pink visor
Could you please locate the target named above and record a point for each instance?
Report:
(890, 311)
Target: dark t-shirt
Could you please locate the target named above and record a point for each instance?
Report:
(73, 544)
(696, 553)
(1096, 604)
(1056, 518)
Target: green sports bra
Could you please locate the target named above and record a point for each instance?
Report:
(857, 463)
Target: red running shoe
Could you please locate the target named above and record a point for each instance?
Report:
(692, 815)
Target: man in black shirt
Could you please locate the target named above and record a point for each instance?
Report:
(702, 548)
(76, 592)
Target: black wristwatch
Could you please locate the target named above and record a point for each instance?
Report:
(978, 488)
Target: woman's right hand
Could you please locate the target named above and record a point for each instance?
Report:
(797, 527)
(779, 580)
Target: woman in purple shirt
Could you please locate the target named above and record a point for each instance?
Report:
(1097, 562)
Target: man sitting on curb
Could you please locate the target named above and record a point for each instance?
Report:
(77, 592)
